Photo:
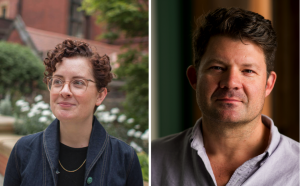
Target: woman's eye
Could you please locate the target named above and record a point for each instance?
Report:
(57, 82)
(78, 82)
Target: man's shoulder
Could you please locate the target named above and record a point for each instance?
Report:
(289, 145)
(171, 142)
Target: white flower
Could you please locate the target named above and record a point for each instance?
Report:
(45, 106)
(43, 119)
(25, 108)
(112, 118)
(137, 126)
(20, 102)
(115, 110)
(30, 114)
(145, 135)
(41, 105)
(103, 116)
(38, 98)
(35, 110)
(139, 149)
(130, 132)
(46, 113)
(121, 118)
(101, 107)
(130, 120)
(137, 134)
(135, 146)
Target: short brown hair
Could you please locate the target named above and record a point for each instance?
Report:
(69, 48)
(238, 24)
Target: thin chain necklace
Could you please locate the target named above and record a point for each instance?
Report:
(72, 170)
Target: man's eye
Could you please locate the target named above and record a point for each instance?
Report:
(216, 68)
(249, 71)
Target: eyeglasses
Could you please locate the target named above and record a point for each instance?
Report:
(76, 86)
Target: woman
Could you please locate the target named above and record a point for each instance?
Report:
(75, 149)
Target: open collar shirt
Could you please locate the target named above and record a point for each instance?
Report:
(181, 159)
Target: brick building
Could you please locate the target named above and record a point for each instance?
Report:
(59, 16)
(42, 24)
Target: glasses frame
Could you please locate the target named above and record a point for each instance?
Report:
(64, 82)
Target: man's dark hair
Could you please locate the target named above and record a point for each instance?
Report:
(237, 24)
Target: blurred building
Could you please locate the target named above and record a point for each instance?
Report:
(42, 24)
(174, 105)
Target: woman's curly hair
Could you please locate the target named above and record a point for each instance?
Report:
(69, 48)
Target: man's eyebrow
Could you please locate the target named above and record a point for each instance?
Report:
(218, 61)
(249, 65)
(213, 60)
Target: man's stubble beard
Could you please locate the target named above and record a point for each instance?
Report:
(216, 120)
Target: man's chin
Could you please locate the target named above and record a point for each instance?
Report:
(229, 117)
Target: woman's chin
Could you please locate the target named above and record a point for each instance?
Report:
(63, 116)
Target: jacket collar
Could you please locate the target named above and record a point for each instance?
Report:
(98, 142)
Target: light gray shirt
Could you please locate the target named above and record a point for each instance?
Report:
(180, 159)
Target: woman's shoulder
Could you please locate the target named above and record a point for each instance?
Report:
(30, 140)
(121, 145)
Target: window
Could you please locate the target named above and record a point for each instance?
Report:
(78, 21)
(3, 11)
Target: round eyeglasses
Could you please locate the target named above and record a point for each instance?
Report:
(76, 86)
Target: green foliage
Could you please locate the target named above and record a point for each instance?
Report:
(128, 16)
(5, 107)
(20, 69)
(134, 69)
(24, 125)
(144, 162)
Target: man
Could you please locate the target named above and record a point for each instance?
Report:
(233, 143)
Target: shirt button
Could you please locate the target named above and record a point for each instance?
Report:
(89, 180)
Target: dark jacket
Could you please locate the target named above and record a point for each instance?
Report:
(110, 161)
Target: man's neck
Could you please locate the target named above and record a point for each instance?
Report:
(229, 147)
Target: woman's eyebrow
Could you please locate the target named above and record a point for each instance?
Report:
(72, 77)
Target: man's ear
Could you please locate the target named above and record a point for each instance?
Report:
(101, 95)
(191, 74)
(270, 83)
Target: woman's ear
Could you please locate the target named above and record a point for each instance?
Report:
(101, 95)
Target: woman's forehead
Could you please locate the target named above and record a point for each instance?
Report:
(74, 67)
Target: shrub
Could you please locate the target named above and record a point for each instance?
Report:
(134, 70)
(20, 70)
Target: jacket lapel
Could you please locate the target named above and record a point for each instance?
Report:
(51, 147)
(98, 143)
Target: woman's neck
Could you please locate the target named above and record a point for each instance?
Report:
(76, 134)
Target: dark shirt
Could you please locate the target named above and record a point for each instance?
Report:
(71, 159)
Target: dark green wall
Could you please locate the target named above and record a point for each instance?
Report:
(174, 55)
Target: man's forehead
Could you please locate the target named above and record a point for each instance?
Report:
(224, 49)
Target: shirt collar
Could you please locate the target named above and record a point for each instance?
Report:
(274, 138)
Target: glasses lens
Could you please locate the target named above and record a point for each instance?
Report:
(55, 84)
(78, 86)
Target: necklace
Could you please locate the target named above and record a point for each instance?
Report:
(72, 170)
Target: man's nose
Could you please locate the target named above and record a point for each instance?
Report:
(65, 91)
(231, 79)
